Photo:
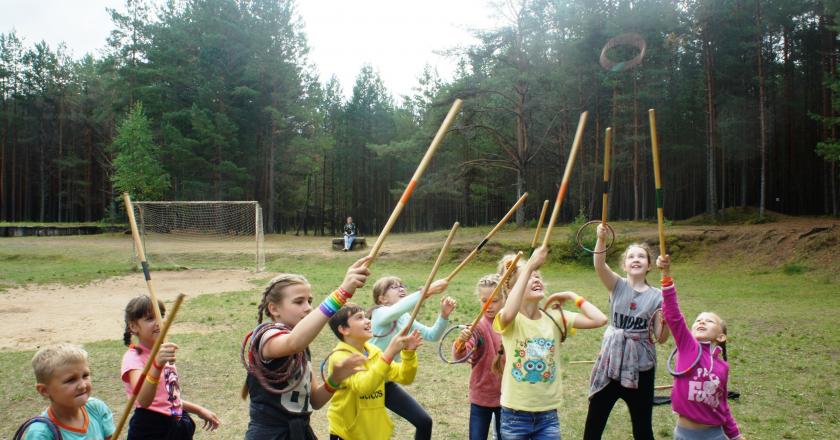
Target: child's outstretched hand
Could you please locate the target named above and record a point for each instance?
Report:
(211, 420)
(538, 258)
(439, 286)
(412, 341)
(347, 367)
(601, 232)
(356, 275)
(447, 305)
(166, 353)
(664, 263)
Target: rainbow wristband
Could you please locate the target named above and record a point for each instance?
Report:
(347, 295)
(330, 389)
(332, 304)
(332, 384)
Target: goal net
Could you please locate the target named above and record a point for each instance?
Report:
(202, 234)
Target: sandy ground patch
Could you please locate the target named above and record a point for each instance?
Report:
(36, 315)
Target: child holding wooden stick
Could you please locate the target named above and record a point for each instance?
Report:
(388, 317)
(280, 383)
(531, 337)
(626, 365)
(700, 375)
(358, 409)
(159, 413)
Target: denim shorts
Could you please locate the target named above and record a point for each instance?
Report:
(522, 425)
(683, 433)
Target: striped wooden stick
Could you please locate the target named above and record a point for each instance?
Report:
(487, 237)
(418, 173)
(141, 255)
(564, 184)
(660, 216)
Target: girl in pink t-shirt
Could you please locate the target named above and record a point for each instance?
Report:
(160, 413)
(485, 345)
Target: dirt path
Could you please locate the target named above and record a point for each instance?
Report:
(35, 315)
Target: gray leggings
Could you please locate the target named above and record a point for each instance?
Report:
(683, 433)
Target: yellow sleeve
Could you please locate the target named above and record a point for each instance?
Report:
(497, 324)
(367, 380)
(403, 372)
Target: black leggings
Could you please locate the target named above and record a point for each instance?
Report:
(639, 402)
(402, 404)
(146, 424)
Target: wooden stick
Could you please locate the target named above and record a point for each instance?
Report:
(133, 398)
(418, 173)
(539, 225)
(141, 255)
(654, 144)
(605, 201)
(431, 278)
(564, 184)
(663, 387)
(581, 362)
(487, 237)
(459, 345)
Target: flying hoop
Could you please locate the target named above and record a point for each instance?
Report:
(630, 39)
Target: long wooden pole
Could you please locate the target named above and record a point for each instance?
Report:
(502, 282)
(564, 184)
(431, 277)
(660, 216)
(605, 200)
(418, 173)
(539, 225)
(141, 255)
(155, 349)
(487, 237)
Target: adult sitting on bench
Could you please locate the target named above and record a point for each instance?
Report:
(349, 234)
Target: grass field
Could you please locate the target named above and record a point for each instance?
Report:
(783, 349)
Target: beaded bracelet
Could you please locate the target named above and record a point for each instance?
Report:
(579, 301)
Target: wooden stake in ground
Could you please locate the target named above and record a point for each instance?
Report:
(564, 184)
(459, 345)
(130, 404)
(141, 255)
(430, 278)
(418, 173)
(539, 225)
(487, 237)
(660, 217)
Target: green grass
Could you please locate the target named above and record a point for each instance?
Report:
(783, 349)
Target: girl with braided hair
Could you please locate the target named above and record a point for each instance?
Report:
(280, 382)
(160, 413)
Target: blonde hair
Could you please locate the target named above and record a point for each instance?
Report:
(273, 293)
(51, 358)
(381, 286)
(503, 265)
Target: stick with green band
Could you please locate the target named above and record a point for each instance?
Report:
(654, 144)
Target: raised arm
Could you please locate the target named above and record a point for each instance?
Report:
(673, 315)
(514, 300)
(308, 328)
(599, 259)
(589, 317)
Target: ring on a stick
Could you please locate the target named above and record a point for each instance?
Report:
(630, 39)
(579, 237)
(467, 355)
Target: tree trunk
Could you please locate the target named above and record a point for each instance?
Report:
(711, 199)
(635, 151)
(761, 117)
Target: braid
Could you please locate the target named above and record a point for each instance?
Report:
(127, 336)
(723, 353)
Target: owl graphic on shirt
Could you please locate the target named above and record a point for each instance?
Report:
(533, 361)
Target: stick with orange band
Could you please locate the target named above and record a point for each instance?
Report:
(418, 173)
(564, 184)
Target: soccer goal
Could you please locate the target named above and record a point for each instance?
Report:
(202, 234)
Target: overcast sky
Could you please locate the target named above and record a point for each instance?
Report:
(397, 37)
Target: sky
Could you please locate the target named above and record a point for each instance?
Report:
(397, 37)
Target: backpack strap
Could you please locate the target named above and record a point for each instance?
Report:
(56, 433)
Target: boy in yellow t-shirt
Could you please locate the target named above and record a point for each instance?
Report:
(531, 391)
(357, 410)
